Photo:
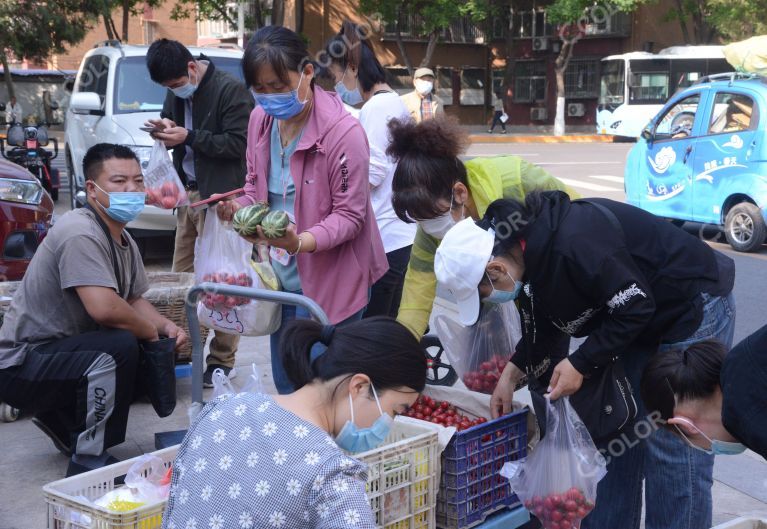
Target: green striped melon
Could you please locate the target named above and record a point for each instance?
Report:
(247, 219)
(275, 224)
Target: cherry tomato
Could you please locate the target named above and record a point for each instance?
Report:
(444, 404)
(419, 416)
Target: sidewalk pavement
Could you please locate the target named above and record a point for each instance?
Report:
(535, 134)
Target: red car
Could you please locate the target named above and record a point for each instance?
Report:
(26, 211)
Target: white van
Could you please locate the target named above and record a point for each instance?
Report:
(112, 97)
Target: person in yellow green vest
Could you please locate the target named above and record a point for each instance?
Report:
(433, 187)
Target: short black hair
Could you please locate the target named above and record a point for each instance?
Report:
(167, 60)
(350, 47)
(682, 374)
(94, 159)
(379, 347)
(282, 49)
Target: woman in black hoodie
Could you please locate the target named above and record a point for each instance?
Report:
(633, 285)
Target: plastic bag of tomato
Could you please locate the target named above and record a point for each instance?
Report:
(558, 481)
(480, 353)
(161, 182)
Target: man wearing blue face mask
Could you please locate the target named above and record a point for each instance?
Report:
(710, 397)
(205, 121)
(69, 344)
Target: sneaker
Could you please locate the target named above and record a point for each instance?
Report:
(489, 131)
(76, 468)
(504, 132)
(52, 426)
(207, 377)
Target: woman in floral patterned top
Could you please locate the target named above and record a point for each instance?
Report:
(259, 461)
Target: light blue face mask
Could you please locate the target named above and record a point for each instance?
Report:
(503, 296)
(185, 91)
(350, 97)
(124, 206)
(281, 106)
(719, 448)
(355, 439)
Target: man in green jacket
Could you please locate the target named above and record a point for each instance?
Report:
(205, 121)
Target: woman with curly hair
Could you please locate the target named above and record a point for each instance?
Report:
(433, 187)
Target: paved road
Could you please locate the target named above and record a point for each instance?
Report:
(596, 170)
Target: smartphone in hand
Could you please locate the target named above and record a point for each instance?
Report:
(151, 129)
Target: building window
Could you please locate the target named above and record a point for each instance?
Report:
(473, 86)
(529, 24)
(399, 79)
(529, 81)
(444, 85)
(581, 79)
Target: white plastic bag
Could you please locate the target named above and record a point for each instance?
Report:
(222, 256)
(504, 117)
(479, 353)
(222, 385)
(147, 482)
(558, 481)
(163, 186)
(749, 55)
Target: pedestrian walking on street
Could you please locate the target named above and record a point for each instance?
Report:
(632, 284)
(499, 114)
(422, 102)
(204, 120)
(14, 113)
(435, 188)
(70, 342)
(360, 78)
(308, 157)
(254, 461)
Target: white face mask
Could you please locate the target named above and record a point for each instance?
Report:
(423, 87)
(439, 226)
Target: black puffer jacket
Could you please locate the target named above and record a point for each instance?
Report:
(639, 282)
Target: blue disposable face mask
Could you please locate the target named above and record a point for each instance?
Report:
(720, 448)
(503, 296)
(350, 97)
(124, 206)
(355, 439)
(281, 106)
(185, 91)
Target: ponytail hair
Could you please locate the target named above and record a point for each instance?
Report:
(379, 347)
(511, 220)
(350, 47)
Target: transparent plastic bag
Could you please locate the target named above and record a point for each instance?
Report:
(161, 182)
(558, 481)
(147, 481)
(253, 382)
(221, 384)
(222, 256)
(479, 353)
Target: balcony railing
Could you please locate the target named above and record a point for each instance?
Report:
(462, 30)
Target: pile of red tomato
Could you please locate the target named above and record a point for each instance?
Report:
(561, 511)
(166, 196)
(215, 301)
(486, 377)
(442, 413)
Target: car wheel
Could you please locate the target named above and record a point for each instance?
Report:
(744, 227)
(72, 183)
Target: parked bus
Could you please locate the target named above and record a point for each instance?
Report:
(634, 86)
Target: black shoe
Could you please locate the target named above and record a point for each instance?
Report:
(52, 426)
(76, 468)
(207, 377)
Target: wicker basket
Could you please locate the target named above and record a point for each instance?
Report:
(167, 292)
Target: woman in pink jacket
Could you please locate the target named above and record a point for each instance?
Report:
(309, 157)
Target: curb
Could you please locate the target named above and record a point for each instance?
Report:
(570, 138)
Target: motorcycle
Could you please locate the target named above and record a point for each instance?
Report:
(28, 151)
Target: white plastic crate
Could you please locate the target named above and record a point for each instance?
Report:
(403, 480)
(66, 509)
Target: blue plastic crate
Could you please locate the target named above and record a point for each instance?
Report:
(471, 488)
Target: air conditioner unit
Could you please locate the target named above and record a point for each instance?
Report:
(540, 43)
(576, 110)
(539, 114)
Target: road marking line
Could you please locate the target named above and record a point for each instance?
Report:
(608, 178)
(588, 185)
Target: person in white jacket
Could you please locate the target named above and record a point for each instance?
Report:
(360, 78)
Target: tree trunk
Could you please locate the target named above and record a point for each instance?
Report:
(108, 26)
(126, 20)
(682, 22)
(430, 47)
(299, 16)
(401, 44)
(560, 66)
(278, 12)
(7, 76)
(259, 14)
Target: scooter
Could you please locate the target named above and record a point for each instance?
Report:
(27, 151)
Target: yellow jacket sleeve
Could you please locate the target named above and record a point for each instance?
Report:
(420, 287)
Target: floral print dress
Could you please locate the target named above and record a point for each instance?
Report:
(248, 463)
